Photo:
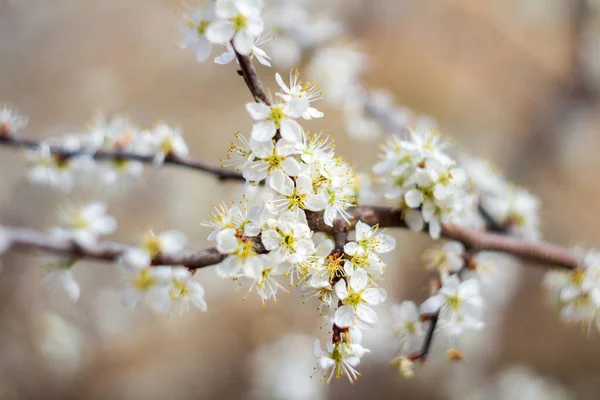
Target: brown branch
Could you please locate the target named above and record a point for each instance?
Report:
(186, 162)
(251, 78)
(26, 238)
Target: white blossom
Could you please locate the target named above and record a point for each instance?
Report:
(47, 169)
(236, 216)
(407, 326)
(356, 298)
(577, 291)
(368, 240)
(446, 258)
(300, 95)
(278, 116)
(143, 282)
(271, 159)
(242, 259)
(85, 224)
(164, 141)
(196, 25)
(256, 52)
(185, 292)
(459, 304)
(339, 359)
(238, 20)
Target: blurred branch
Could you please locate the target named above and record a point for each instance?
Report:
(539, 252)
(221, 173)
(25, 238)
(427, 343)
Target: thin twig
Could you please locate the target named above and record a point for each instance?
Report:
(221, 173)
(251, 78)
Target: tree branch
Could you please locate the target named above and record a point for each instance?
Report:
(251, 78)
(26, 238)
(221, 173)
(538, 252)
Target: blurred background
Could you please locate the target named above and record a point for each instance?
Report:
(515, 81)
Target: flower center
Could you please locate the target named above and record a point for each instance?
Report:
(166, 146)
(201, 27)
(179, 290)
(354, 299)
(120, 164)
(79, 222)
(144, 280)
(245, 249)
(296, 200)
(152, 245)
(453, 303)
(240, 21)
(277, 115)
(274, 160)
(289, 242)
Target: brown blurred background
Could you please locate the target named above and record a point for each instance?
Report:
(507, 79)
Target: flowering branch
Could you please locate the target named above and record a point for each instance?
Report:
(26, 238)
(535, 251)
(65, 154)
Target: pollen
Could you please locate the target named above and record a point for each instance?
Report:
(240, 21)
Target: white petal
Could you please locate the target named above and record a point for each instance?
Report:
(363, 231)
(291, 130)
(316, 202)
(263, 131)
(172, 242)
(226, 9)
(226, 241)
(203, 49)
(413, 220)
(258, 111)
(435, 228)
(281, 83)
(413, 198)
(225, 58)
(243, 42)
(296, 107)
(228, 268)
(366, 314)
(344, 316)
(352, 248)
(359, 280)
(254, 27)
(282, 183)
(220, 32)
(374, 296)
(432, 304)
(340, 289)
(291, 166)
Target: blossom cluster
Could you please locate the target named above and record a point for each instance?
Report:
(510, 207)
(230, 23)
(164, 288)
(57, 162)
(260, 246)
(455, 307)
(428, 185)
(577, 292)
